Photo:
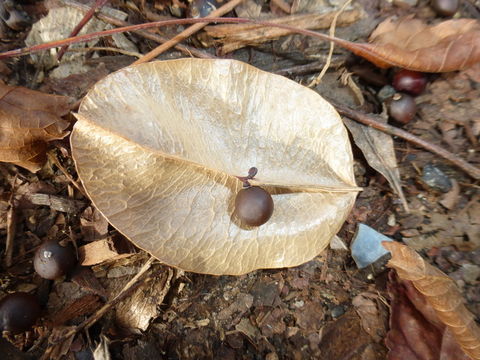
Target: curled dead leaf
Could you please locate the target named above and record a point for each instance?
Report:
(440, 292)
(29, 119)
(412, 44)
(158, 147)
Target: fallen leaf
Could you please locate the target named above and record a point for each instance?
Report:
(29, 119)
(367, 307)
(415, 331)
(345, 339)
(143, 304)
(159, 147)
(461, 228)
(377, 147)
(236, 36)
(94, 225)
(58, 24)
(98, 252)
(58, 203)
(440, 293)
(450, 199)
(412, 44)
(85, 305)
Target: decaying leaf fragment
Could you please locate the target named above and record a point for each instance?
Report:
(28, 120)
(412, 44)
(158, 147)
(440, 293)
(236, 36)
(377, 147)
(415, 331)
(58, 24)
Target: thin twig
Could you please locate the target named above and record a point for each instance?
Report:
(187, 50)
(222, 10)
(86, 18)
(53, 158)
(107, 48)
(369, 120)
(333, 25)
(308, 68)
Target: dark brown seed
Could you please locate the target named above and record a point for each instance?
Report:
(253, 206)
(53, 260)
(445, 7)
(18, 312)
(402, 108)
(412, 82)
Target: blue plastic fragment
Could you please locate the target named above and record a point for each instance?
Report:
(367, 246)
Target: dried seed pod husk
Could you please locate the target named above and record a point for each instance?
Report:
(158, 147)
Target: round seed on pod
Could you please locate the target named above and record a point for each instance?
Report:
(52, 260)
(18, 312)
(253, 206)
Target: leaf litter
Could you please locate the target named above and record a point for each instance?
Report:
(443, 306)
(30, 119)
(309, 308)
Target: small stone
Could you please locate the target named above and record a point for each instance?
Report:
(471, 273)
(271, 356)
(337, 311)
(386, 93)
(392, 221)
(299, 303)
(436, 178)
(410, 232)
(405, 3)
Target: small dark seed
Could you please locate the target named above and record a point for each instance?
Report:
(53, 260)
(253, 206)
(402, 108)
(412, 82)
(18, 312)
(445, 7)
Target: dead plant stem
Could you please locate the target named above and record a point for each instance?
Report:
(99, 34)
(331, 32)
(187, 50)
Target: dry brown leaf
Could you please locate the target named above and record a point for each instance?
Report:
(412, 44)
(143, 304)
(440, 292)
(373, 319)
(98, 252)
(29, 119)
(415, 331)
(378, 149)
(158, 147)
